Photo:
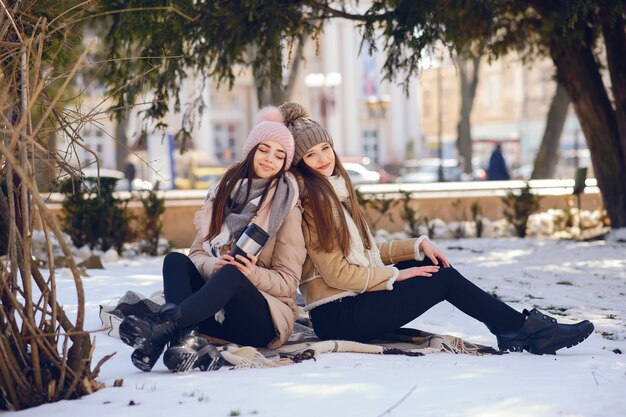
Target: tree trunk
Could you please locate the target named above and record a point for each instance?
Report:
(276, 92)
(468, 73)
(121, 142)
(548, 155)
(46, 169)
(615, 39)
(579, 73)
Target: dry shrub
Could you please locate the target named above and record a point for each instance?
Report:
(44, 355)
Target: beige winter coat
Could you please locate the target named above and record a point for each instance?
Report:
(328, 277)
(276, 274)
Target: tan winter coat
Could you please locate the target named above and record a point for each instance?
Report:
(276, 274)
(328, 277)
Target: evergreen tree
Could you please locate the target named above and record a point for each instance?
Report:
(164, 40)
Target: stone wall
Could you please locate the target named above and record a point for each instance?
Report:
(179, 229)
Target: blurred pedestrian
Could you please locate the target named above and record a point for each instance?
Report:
(497, 170)
(129, 173)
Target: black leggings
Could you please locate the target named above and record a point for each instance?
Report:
(373, 314)
(248, 319)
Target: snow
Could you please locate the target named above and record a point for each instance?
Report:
(617, 235)
(570, 280)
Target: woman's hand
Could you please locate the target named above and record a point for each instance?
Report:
(433, 253)
(245, 264)
(223, 260)
(417, 271)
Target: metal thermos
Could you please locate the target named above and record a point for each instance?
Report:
(251, 241)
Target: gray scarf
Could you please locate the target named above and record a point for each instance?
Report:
(269, 217)
(281, 198)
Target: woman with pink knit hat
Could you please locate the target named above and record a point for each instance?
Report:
(217, 291)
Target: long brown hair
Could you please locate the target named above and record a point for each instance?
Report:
(325, 214)
(224, 204)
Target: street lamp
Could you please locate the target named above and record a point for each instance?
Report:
(325, 83)
(377, 105)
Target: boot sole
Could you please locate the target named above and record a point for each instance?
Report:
(552, 349)
(180, 358)
(209, 359)
(132, 333)
(513, 347)
(184, 359)
(142, 361)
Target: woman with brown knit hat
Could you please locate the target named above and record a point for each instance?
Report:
(217, 291)
(357, 290)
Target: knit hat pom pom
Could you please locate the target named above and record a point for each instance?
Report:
(292, 111)
(269, 114)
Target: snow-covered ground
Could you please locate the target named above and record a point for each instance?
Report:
(570, 280)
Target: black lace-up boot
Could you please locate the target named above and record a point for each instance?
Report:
(541, 334)
(190, 351)
(512, 341)
(150, 335)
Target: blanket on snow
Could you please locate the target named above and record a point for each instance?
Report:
(303, 343)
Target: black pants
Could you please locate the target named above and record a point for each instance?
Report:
(373, 314)
(248, 320)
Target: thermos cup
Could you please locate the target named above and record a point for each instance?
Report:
(251, 241)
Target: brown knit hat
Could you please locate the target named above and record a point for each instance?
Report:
(306, 131)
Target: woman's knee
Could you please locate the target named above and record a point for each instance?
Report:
(412, 263)
(450, 275)
(173, 262)
(174, 258)
(230, 274)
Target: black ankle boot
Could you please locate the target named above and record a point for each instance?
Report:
(512, 341)
(541, 334)
(150, 335)
(192, 351)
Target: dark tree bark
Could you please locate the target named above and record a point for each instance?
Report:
(468, 67)
(121, 142)
(276, 92)
(548, 154)
(614, 33)
(578, 71)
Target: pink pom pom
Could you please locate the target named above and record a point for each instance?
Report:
(269, 114)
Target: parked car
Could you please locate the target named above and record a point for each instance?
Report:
(366, 162)
(202, 178)
(138, 184)
(571, 159)
(427, 170)
(361, 175)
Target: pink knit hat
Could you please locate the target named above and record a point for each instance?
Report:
(270, 126)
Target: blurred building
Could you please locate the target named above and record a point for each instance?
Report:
(366, 116)
(510, 107)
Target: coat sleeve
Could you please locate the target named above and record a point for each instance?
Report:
(282, 277)
(402, 250)
(338, 273)
(203, 260)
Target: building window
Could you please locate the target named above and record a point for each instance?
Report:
(370, 145)
(225, 142)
